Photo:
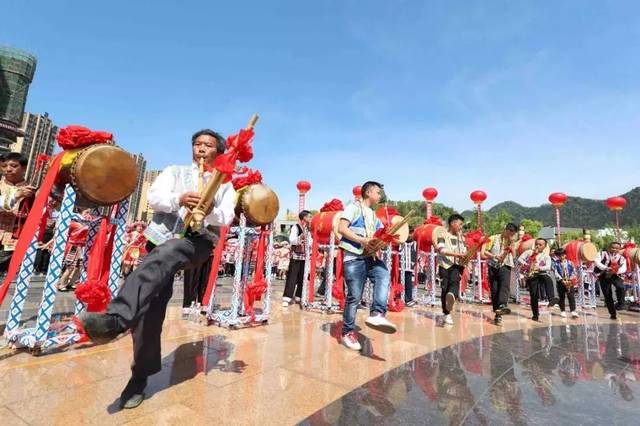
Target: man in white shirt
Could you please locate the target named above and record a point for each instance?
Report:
(299, 237)
(536, 264)
(142, 301)
(610, 267)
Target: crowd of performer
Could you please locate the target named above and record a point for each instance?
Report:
(153, 255)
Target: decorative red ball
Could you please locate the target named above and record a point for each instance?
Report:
(478, 197)
(557, 199)
(357, 191)
(303, 186)
(430, 194)
(616, 203)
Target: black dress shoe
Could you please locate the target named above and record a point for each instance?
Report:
(536, 319)
(101, 328)
(133, 393)
(498, 320)
(503, 310)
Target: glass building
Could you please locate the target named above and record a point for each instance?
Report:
(16, 73)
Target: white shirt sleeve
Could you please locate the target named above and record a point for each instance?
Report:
(293, 236)
(162, 195)
(623, 265)
(598, 262)
(7, 201)
(524, 257)
(223, 211)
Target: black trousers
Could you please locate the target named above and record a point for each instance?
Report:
(605, 285)
(534, 284)
(500, 280)
(570, 293)
(295, 278)
(408, 286)
(450, 282)
(142, 302)
(195, 282)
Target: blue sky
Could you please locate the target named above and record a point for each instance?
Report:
(517, 98)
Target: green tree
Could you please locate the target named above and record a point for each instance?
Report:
(531, 227)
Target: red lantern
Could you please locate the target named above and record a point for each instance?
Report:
(303, 187)
(557, 199)
(357, 191)
(430, 194)
(616, 204)
(478, 197)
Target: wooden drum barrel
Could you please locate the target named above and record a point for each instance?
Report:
(324, 224)
(581, 251)
(632, 255)
(258, 203)
(389, 217)
(102, 174)
(426, 236)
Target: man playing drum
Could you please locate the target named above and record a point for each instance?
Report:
(142, 302)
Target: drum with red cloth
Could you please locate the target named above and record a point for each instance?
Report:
(426, 235)
(324, 224)
(102, 174)
(581, 251)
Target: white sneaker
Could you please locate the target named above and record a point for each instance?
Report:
(447, 319)
(379, 322)
(351, 341)
(563, 314)
(186, 312)
(574, 314)
(285, 302)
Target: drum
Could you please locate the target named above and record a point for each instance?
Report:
(324, 224)
(523, 246)
(258, 203)
(632, 255)
(389, 217)
(426, 236)
(102, 174)
(581, 251)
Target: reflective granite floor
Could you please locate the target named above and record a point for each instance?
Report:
(559, 371)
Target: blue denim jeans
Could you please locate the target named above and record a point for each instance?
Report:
(356, 272)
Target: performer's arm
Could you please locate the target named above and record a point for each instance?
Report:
(343, 229)
(598, 262)
(623, 265)
(485, 252)
(162, 196)
(223, 210)
(293, 236)
(524, 257)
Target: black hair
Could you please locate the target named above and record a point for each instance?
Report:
(542, 239)
(559, 251)
(368, 185)
(3, 156)
(511, 227)
(615, 242)
(303, 214)
(16, 156)
(221, 144)
(454, 217)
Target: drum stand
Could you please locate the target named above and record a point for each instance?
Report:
(429, 298)
(235, 316)
(45, 335)
(635, 282)
(331, 278)
(586, 288)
